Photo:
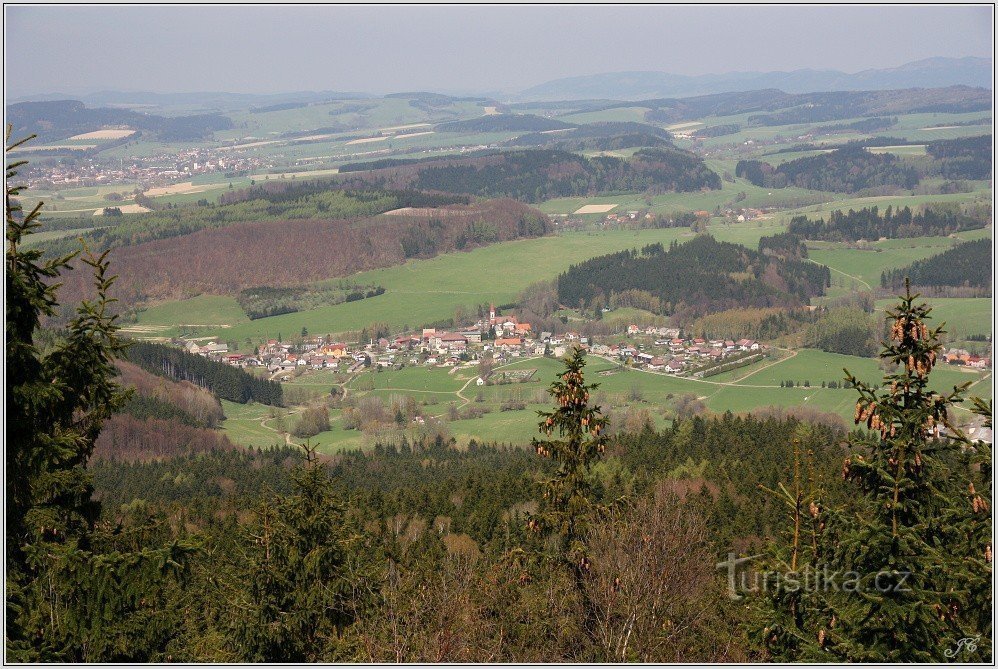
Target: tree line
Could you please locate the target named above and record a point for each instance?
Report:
(698, 277)
(844, 170)
(227, 382)
(967, 264)
(541, 174)
(868, 223)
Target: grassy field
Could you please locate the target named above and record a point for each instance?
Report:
(214, 311)
(620, 389)
(423, 291)
(861, 268)
(615, 114)
(755, 196)
(243, 425)
(963, 316)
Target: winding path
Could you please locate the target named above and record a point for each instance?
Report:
(854, 278)
(736, 383)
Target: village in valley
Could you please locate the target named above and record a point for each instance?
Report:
(501, 339)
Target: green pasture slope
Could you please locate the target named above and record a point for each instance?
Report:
(755, 196)
(423, 291)
(963, 317)
(243, 425)
(203, 311)
(620, 389)
(865, 265)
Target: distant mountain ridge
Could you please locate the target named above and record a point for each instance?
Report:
(927, 73)
(208, 100)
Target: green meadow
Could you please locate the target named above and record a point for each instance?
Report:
(863, 266)
(963, 316)
(424, 291)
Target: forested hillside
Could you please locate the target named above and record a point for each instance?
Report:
(225, 381)
(693, 279)
(63, 118)
(504, 123)
(537, 175)
(278, 200)
(290, 253)
(869, 224)
(970, 264)
(965, 158)
(158, 396)
(844, 170)
(607, 136)
(774, 107)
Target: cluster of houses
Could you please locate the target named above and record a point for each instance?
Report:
(504, 337)
(959, 356)
(156, 170)
(666, 351)
(277, 356)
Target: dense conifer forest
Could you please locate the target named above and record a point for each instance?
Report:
(225, 381)
(845, 170)
(869, 224)
(536, 175)
(693, 279)
(969, 264)
(964, 158)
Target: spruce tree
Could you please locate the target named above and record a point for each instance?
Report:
(567, 496)
(902, 572)
(569, 502)
(292, 595)
(67, 600)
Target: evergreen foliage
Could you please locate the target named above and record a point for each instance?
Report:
(914, 542)
(967, 264)
(844, 170)
(869, 224)
(567, 499)
(698, 277)
(540, 174)
(228, 382)
(291, 594)
(963, 158)
(72, 594)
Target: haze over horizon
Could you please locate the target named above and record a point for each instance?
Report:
(458, 50)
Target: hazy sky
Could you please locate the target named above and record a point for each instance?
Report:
(455, 49)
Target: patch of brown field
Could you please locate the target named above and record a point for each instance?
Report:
(177, 189)
(367, 140)
(125, 209)
(105, 134)
(53, 147)
(404, 127)
(595, 208)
